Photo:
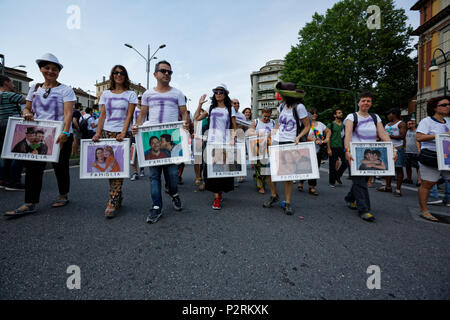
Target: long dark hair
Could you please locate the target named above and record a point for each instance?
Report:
(215, 103)
(112, 83)
(290, 102)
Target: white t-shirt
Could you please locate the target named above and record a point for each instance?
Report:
(320, 127)
(163, 107)
(219, 123)
(287, 131)
(264, 127)
(393, 130)
(239, 115)
(366, 131)
(51, 108)
(430, 125)
(136, 114)
(116, 107)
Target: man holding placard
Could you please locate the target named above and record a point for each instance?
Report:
(163, 104)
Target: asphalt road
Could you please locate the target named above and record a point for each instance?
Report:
(243, 251)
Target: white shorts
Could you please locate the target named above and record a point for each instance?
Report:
(432, 174)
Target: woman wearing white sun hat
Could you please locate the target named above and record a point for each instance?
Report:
(49, 100)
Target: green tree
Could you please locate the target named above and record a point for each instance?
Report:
(339, 50)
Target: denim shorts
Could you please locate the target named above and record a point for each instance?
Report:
(400, 162)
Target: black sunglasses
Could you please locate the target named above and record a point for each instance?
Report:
(444, 105)
(122, 73)
(219, 91)
(47, 93)
(164, 71)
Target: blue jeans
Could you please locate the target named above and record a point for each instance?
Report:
(434, 193)
(155, 182)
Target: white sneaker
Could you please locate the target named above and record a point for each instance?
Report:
(142, 174)
(134, 177)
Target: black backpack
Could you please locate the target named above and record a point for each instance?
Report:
(84, 129)
(297, 121)
(355, 120)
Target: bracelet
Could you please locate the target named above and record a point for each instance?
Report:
(347, 150)
(66, 133)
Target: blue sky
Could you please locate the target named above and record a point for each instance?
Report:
(207, 41)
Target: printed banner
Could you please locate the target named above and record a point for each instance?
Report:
(32, 140)
(289, 162)
(105, 159)
(372, 159)
(162, 144)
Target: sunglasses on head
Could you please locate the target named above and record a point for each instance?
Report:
(122, 73)
(219, 91)
(164, 71)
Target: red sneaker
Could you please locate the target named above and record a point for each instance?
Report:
(216, 204)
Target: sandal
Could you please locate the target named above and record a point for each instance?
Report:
(384, 189)
(300, 187)
(61, 202)
(22, 210)
(262, 191)
(313, 192)
(397, 193)
(367, 216)
(428, 216)
(198, 182)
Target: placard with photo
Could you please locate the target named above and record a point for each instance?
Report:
(443, 151)
(106, 159)
(225, 160)
(32, 140)
(289, 162)
(258, 147)
(162, 144)
(372, 159)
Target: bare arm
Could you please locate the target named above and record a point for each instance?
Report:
(348, 139)
(68, 115)
(402, 128)
(306, 128)
(27, 112)
(101, 122)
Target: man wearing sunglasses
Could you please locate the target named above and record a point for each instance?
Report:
(162, 103)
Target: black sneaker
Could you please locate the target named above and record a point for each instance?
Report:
(288, 209)
(338, 180)
(154, 215)
(15, 187)
(176, 202)
(269, 203)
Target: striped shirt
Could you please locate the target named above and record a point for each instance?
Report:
(9, 105)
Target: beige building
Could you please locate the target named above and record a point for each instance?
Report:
(263, 82)
(104, 85)
(84, 98)
(433, 33)
(20, 80)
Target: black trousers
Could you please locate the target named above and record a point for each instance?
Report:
(337, 153)
(34, 173)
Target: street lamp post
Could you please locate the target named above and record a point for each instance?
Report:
(434, 66)
(148, 59)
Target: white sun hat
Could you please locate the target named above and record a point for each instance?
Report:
(223, 86)
(49, 58)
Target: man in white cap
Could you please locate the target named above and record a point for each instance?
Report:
(162, 103)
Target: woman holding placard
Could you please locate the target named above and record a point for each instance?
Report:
(221, 119)
(49, 100)
(116, 113)
(434, 124)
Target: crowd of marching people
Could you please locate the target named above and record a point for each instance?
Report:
(120, 113)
